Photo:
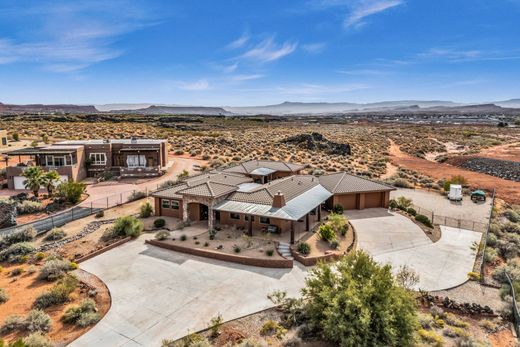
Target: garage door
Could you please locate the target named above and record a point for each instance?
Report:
(348, 201)
(19, 181)
(372, 200)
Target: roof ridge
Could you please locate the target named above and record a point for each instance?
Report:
(209, 188)
(339, 181)
(369, 179)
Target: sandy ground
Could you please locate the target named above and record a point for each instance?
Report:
(506, 152)
(508, 190)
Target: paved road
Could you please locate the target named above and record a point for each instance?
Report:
(394, 239)
(158, 294)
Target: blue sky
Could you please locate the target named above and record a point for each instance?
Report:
(245, 52)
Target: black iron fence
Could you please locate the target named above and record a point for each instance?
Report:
(79, 211)
(516, 315)
(451, 221)
(485, 239)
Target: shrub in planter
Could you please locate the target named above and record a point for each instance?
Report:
(236, 249)
(269, 252)
(334, 244)
(393, 204)
(403, 203)
(37, 320)
(183, 237)
(54, 269)
(55, 234)
(58, 294)
(304, 248)
(16, 252)
(424, 220)
(162, 235)
(128, 226)
(146, 210)
(159, 223)
(338, 209)
(412, 211)
(82, 315)
(212, 234)
(326, 232)
(71, 191)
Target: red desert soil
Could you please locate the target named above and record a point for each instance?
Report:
(24, 289)
(509, 151)
(502, 338)
(507, 190)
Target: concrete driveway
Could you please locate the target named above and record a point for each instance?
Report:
(392, 238)
(158, 294)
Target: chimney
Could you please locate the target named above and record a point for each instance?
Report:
(278, 200)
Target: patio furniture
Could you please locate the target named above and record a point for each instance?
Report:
(478, 195)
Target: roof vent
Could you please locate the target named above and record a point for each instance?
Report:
(133, 139)
(278, 200)
(106, 141)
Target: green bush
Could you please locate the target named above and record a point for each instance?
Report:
(512, 215)
(71, 191)
(334, 244)
(29, 207)
(183, 237)
(326, 232)
(55, 234)
(269, 252)
(403, 203)
(58, 294)
(412, 211)
(3, 296)
(458, 179)
(37, 320)
(15, 252)
(393, 204)
(304, 248)
(424, 220)
(25, 235)
(431, 337)
(35, 340)
(159, 223)
(128, 226)
(100, 214)
(82, 315)
(338, 209)
(162, 235)
(54, 269)
(146, 210)
(236, 249)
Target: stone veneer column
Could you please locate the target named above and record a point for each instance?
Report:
(211, 218)
(184, 210)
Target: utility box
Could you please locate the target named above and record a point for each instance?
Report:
(455, 193)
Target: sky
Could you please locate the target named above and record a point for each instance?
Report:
(258, 52)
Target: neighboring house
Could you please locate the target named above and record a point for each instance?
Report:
(78, 159)
(285, 200)
(3, 138)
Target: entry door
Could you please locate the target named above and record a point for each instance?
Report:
(203, 212)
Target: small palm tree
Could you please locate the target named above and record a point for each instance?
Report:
(33, 179)
(51, 180)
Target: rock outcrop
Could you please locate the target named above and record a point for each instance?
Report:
(7, 214)
(316, 141)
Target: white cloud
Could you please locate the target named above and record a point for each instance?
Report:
(241, 78)
(363, 72)
(365, 8)
(201, 84)
(451, 54)
(268, 50)
(240, 42)
(314, 48)
(309, 89)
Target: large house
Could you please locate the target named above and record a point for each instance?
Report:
(267, 195)
(75, 160)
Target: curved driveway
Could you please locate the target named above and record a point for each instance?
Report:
(392, 238)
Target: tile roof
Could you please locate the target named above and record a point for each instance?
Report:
(209, 189)
(342, 182)
(252, 165)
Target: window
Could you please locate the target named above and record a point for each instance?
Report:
(234, 216)
(4, 141)
(165, 203)
(265, 220)
(136, 160)
(175, 204)
(51, 160)
(98, 158)
(252, 218)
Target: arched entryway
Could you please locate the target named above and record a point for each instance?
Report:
(198, 212)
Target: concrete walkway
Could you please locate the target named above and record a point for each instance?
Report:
(394, 239)
(159, 294)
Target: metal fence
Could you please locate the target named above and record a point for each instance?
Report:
(516, 315)
(484, 244)
(451, 221)
(82, 210)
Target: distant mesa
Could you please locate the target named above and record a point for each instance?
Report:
(316, 141)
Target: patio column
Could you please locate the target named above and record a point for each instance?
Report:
(184, 210)
(211, 218)
(307, 226)
(292, 232)
(319, 213)
(250, 225)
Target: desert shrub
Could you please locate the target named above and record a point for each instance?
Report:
(82, 315)
(489, 325)
(431, 337)
(25, 235)
(100, 214)
(253, 343)
(3, 296)
(454, 332)
(37, 320)
(458, 179)
(424, 220)
(15, 252)
(335, 294)
(401, 183)
(304, 248)
(508, 248)
(212, 234)
(452, 320)
(338, 209)
(468, 341)
(71, 191)
(270, 327)
(406, 277)
(215, 324)
(36, 340)
(128, 226)
(191, 340)
(326, 232)
(162, 235)
(136, 195)
(334, 244)
(236, 249)
(474, 276)
(338, 222)
(510, 227)
(269, 252)
(511, 268)
(491, 255)
(146, 210)
(13, 322)
(159, 223)
(403, 203)
(58, 294)
(512, 215)
(183, 237)
(29, 207)
(412, 211)
(492, 240)
(16, 272)
(55, 234)
(54, 269)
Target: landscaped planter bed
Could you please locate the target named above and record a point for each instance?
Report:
(103, 250)
(276, 262)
